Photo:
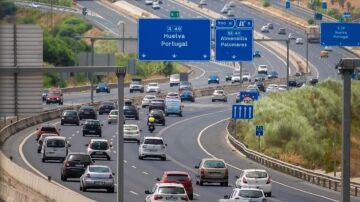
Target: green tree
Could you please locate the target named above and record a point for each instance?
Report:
(168, 68)
(7, 8)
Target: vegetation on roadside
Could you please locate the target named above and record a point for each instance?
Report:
(7, 8)
(336, 12)
(265, 3)
(300, 126)
(56, 2)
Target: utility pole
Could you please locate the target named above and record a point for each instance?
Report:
(307, 52)
(90, 74)
(287, 64)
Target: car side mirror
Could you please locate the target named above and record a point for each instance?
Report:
(237, 177)
(226, 196)
(165, 145)
(140, 130)
(147, 192)
(138, 143)
(69, 145)
(157, 179)
(86, 145)
(59, 129)
(196, 166)
(113, 173)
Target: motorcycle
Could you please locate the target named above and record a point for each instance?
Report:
(151, 127)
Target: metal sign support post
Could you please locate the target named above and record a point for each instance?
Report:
(90, 74)
(259, 143)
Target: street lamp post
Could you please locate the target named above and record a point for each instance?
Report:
(123, 34)
(307, 52)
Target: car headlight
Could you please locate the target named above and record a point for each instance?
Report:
(217, 79)
(58, 98)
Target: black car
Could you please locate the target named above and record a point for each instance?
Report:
(74, 165)
(261, 86)
(136, 85)
(292, 83)
(91, 127)
(87, 112)
(102, 87)
(228, 77)
(159, 116)
(106, 107)
(273, 75)
(157, 104)
(130, 111)
(187, 95)
(70, 117)
(313, 81)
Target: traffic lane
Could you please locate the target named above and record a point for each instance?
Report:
(290, 192)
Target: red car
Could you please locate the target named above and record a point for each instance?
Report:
(46, 129)
(178, 177)
(54, 96)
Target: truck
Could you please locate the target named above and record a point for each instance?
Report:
(184, 77)
(313, 33)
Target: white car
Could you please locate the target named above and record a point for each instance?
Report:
(299, 41)
(246, 77)
(262, 69)
(155, 5)
(167, 192)
(35, 5)
(132, 132)
(99, 148)
(225, 9)
(113, 116)
(272, 88)
(97, 177)
(246, 194)
(230, 13)
(328, 48)
(264, 29)
(153, 87)
(202, 2)
(54, 148)
(231, 4)
(282, 88)
(291, 36)
(147, 100)
(219, 95)
(235, 77)
(152, 147)
(149, 2)
(255, 178)
(174, 80)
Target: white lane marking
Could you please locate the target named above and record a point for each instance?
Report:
(133, 166)
(201, 69)
(236, 168)
(73, 135)
(196, 194)
(134, 193)
(125, 161)
(113, 136)
(145, 173)
(77, 131)
(111, 139)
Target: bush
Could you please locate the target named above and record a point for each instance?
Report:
(266, 3)
(310, 21)
(71, 27)
(335, 13)
(7, 8)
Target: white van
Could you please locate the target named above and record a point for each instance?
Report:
(54, 148)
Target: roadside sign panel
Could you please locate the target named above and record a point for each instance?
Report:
(242, 111)
(287, 4)
(174, 14)
(234, 39)
(324, 5)
(174, 39)
(318, 16)
(340, 34)
(259, 130)
(347, 14)
(252, 95)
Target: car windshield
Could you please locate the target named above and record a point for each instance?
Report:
(214, 164)
(43, 136)
(70, 113)
(171, 190)
(250, 193)
(156, 112)
(99, 169)
(99, 145)
(152, 84)
(236, 73)
(79, 157)
(102, 84)
(175, 76)
(55, 143)
(150, 97)
(54, 94)
(87, 108)
(94, 122)
(157, 101)
(49, 129)
(177, 177)
(154, 141)
(114, 112)
(256, 174)
(108, 104)
(127, 127)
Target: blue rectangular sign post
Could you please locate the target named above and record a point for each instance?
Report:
(340, 34)
(259, 130)
(324, 5)
(174, 39)
(287, 4)
(318, 16)
(234, 39)
(242, 111)
(252, 95)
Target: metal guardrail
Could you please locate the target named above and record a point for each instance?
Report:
(329, 182)
(47, 6)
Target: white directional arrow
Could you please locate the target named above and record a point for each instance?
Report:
(234, 56)
(143, 55)
(240, 109)
(246, 112)
(174, 55)
(250, 112)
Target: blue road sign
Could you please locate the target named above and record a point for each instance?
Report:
(324, 5)
(253, 95)
(287, 4)
(242, 111)
(318, 16)
(347, 14)
(234, 39)
(259, 130)
(174, 39)
(340, 34)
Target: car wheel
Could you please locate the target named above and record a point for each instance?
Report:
(269, 194)
(83, 134)
(84, 189)
(131, 91)
(201, 183)
(43, 159)
(163, 158)
(110, 190)
(137, 118)
(141, 158)
(100, 135)
(225, 184)
(39, 151)
(166, 114)
(108, 158)
(61, 123)
(212, 100)
(191, 196)
(61, 103)
(47, 102)
(108, 91)
(109, 122)
(163, 123)
(63, 177)
(77, 123)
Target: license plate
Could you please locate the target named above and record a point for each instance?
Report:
(152, 150)
(86, 112)
(100, 183)
(91, 131)
(171, 198)
(79, 165)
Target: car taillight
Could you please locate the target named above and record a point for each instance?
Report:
(268, 181)
(184, 198)
(202, 172)
(244, 180)
(88, 175)
(157, 197)
(66, 163)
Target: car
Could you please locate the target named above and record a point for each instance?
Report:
(255, 178)
(99, 148)
(128, 102)
(272, 75)
(155, 5)
(262, 69)
(136, 85)
(87, 112)
(91, 127)
(253, 88)
(172, 95)
(246, 77)
(328, 48)
(187, 95)
(54, 148)
(231, 4)
(74, 165)
(247, 194)
(157, 103)
(230, 13)
(282, 87)
(174, 80)
(264, 29)
(185, 85)
(35, 5)
(225, 9)
(106, 107)
(173, 106)
(257, 53)
(153, 87)
(270, 25)
(41, 140)
(102, 87)
(213, 79)
(313, 81)
(211, 170)
(299, 41)
(291, 36)
(272, 88)
(228, 77)
(113, 116)
(261, 86)
(146, 100)
(70, 117)
(282, 31)
(260, 77)
(153, 147)
(166, 192)
(324, 54)
(44, 94)
(292, 83)
(149, 2)
(97, 177)
(202, 2)
(46, 128)
(159, 116)
(235, 76)
(132, 132)
(219, 95)
(179, 177)
(55, 96)
(131, 111)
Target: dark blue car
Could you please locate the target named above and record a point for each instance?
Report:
(257, 54)
(187, 95)
(213, 79)
(103, 87)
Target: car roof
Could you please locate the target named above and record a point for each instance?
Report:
(176, 172)
(133, 125)
(207, 159)
(170, 184)
(55, 137)
(151, 137)
(98, 140)
(252, 170)
(80, 153)
(247, 188)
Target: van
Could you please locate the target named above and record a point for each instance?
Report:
(173, 106)
(54, 148)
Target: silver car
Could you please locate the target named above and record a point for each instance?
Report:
(97, 177)
(219, 95)
(146, 100)
(246, 194)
